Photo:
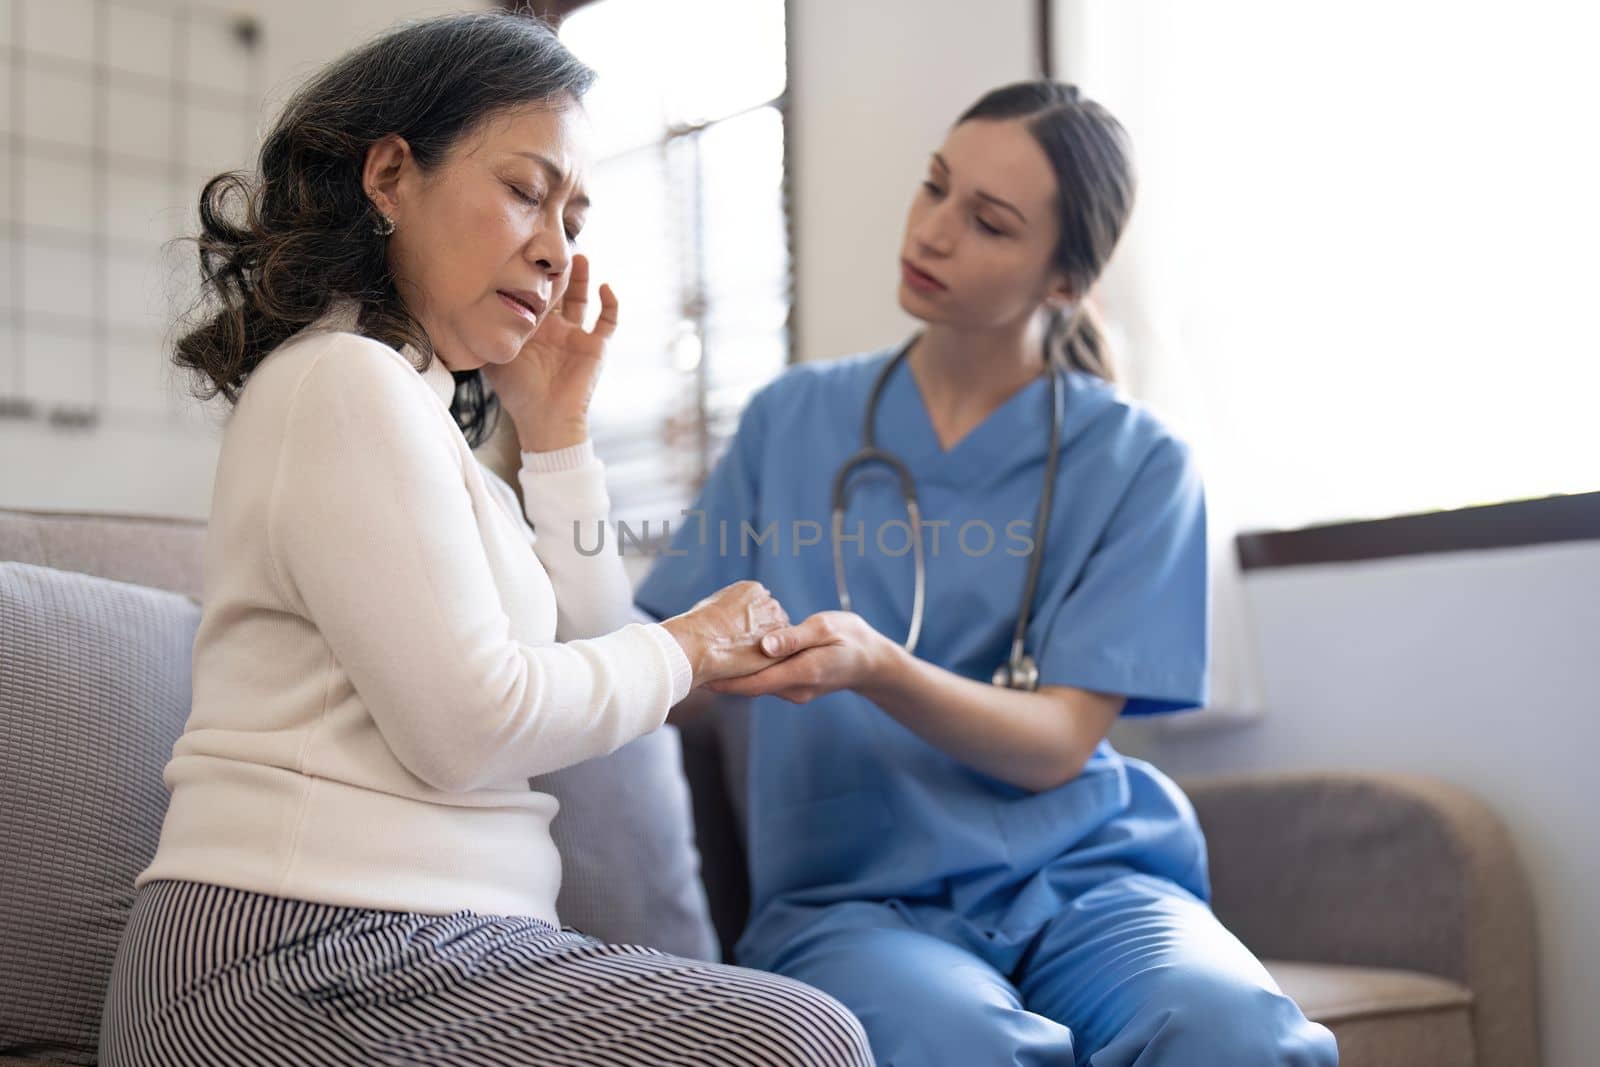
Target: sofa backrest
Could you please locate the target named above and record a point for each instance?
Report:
(154, 552)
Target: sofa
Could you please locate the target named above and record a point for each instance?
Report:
(1392, 908)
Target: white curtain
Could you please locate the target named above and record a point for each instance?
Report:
(1154, 369)
(1107, 49)
(1357, 275)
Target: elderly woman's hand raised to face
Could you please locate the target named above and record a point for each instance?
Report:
(547, 388)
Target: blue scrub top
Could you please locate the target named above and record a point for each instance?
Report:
(845, 803)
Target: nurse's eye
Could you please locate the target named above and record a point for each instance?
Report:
(932, 189)
(988, 227)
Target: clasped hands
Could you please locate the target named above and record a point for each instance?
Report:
(740, 641)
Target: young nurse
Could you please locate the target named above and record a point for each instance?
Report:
(959, 856)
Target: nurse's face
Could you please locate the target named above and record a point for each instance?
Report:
(982, 230)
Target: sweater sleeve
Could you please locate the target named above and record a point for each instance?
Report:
(568, 507)
(373, 538)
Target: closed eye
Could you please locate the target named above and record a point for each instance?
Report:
(523, 195)
(933, 190)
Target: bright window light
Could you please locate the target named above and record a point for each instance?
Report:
(1366, 238)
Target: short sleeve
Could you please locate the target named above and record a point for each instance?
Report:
(1134, 623)
(693, 568)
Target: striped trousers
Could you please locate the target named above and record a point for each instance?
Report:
(210, 975)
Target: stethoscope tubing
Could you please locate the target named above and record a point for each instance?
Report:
(870, 454)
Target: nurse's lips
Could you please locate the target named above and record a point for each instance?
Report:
(920, 280)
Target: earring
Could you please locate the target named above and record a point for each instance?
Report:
(384, 226)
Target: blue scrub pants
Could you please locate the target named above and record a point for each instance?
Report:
(1134, 971)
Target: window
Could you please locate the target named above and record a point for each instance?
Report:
(1365, 244)
(689, 228)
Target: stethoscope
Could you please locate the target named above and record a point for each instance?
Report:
(1019, 671)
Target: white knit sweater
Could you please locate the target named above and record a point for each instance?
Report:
(381, 663)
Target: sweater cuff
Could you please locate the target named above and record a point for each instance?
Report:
(678, 663)
(562, 459)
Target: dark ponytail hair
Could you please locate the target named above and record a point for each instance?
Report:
(1091, 155)
(278, 248)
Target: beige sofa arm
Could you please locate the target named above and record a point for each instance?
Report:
(1379, 870)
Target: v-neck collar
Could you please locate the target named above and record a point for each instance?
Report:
(1012, 433)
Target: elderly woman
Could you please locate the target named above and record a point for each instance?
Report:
(353, 868)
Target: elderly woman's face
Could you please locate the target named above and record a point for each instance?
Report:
(484, 241)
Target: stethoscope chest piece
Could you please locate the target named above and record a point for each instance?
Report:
(1017, 674)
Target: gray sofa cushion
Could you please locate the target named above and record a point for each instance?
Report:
(630, 870)
(94, 691)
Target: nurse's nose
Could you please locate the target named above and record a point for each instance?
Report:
(936, 231)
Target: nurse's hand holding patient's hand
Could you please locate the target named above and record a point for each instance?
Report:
(721, 635)
(829, 651)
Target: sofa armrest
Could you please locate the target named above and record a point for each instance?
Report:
(1379, 870)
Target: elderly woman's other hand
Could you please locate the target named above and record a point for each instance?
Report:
(546, 390)
(721, 635)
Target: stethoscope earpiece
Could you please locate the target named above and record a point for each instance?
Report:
(1019, 671)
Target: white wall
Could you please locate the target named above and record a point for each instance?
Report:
(874, 87)
(1482, 669)
(302, 35)
(152, 464)
(155, 469)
